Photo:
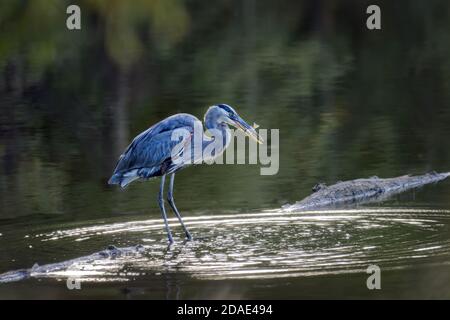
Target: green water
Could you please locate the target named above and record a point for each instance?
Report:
(348, 102)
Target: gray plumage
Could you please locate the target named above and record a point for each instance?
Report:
(149, 154)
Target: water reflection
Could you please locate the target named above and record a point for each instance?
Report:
(263, 245)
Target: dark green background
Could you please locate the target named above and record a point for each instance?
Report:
(349, 102)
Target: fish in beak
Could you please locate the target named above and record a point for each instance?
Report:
(250, 131)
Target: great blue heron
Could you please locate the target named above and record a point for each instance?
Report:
(151, 153)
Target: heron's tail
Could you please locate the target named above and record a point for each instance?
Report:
(115, 179)
(123, 179)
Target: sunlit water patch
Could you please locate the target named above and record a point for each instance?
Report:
(268, 244)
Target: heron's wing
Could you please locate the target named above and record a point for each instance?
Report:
(171, 123)
(153, 150)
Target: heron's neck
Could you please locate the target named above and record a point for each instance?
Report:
(215, 127)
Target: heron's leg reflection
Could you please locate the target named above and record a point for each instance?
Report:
(163, 210)
(174, 208)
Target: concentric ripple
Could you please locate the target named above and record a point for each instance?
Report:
(267, 244)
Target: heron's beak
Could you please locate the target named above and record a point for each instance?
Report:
(239, 123)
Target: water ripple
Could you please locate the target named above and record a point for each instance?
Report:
(267, 244)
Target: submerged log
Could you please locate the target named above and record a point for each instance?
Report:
(361, 191)
(37, 271)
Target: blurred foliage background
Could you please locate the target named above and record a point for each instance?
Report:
(349, 102)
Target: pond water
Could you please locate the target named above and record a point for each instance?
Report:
(235, 255)
(348, 102)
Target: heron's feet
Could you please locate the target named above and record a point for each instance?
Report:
(170, 240)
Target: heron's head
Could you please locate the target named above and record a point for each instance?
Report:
(228, 115)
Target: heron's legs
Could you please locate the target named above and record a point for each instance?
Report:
(174, 208)
(163, 210)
